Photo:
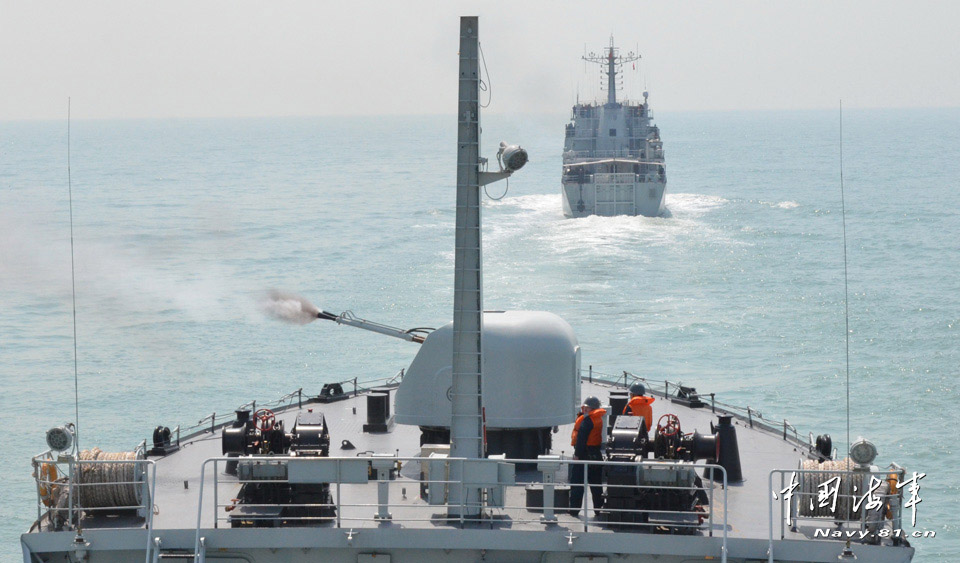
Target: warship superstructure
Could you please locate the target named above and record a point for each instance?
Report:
(464, 455)
(612, 153)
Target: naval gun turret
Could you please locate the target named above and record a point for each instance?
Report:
(531, 382)
(531, 379)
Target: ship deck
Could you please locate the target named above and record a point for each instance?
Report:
(761, 452)
(745, 505)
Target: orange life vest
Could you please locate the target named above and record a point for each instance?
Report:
(640, 406)
(596, 435)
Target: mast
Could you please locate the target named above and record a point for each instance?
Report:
(613, 61)
(466, 423)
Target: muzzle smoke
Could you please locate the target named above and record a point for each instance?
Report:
(289, 307)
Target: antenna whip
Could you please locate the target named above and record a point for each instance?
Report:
(846, 293)
(73, 286)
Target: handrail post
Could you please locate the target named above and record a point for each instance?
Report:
(790, 514)
(463, 498)
(73, 498)
(723, 555)
(583, 500)
(339, 504)
(149, 506)
(197, 539)
(36, 469)
(712, 504)
(770, 516)
(216, 497)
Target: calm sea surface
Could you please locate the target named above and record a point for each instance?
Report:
(181, 225)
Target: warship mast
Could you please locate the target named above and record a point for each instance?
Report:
(613, 62)
(466, 422)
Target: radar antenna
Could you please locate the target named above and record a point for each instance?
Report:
(614, 62)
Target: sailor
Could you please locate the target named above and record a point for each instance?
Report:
(639, 404)
(586, 439)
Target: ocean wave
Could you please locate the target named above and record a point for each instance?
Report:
(780, 204)
(539, 218)
(683, 205)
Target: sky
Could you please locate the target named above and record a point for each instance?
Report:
(122, 59)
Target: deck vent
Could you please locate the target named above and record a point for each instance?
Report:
(618, 401)
(378, 411)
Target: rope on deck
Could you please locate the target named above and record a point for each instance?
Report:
(104, 485)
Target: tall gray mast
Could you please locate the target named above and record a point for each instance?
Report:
(613, 62)
(466, 424)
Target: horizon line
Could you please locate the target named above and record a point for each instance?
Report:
(453, 114)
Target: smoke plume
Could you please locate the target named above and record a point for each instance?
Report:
(289, 307)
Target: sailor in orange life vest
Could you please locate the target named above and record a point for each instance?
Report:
(639, 405)
(586, 440)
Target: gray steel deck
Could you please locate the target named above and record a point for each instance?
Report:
(178, 492)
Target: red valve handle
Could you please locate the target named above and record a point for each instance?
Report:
(264, 420)
(669, 428)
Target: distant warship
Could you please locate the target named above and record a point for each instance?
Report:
(612, 155)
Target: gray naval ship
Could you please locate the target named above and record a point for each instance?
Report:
(612, 154)
(464, 455)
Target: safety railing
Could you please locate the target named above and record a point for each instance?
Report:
(70, 490)
(860, 500)
(210, 422)
(648, 503)
(667, 389)
(610, 178)
(621, 153)
(615, 178)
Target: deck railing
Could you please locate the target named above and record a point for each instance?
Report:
(67, 494)
(620, 153)
(351, 508)
(209, 423)
(859, 500)
(667, 389)
(610, 178)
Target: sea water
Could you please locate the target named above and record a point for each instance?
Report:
(182, 226)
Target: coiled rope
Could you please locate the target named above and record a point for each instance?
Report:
(104, 485)
(815, 493)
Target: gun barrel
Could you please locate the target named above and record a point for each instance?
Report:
(347, 318)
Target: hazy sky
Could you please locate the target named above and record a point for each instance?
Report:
(234, 58)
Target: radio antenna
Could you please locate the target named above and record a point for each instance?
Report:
(73, 287)
(846, 293)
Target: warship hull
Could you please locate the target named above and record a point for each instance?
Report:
(607, 200)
